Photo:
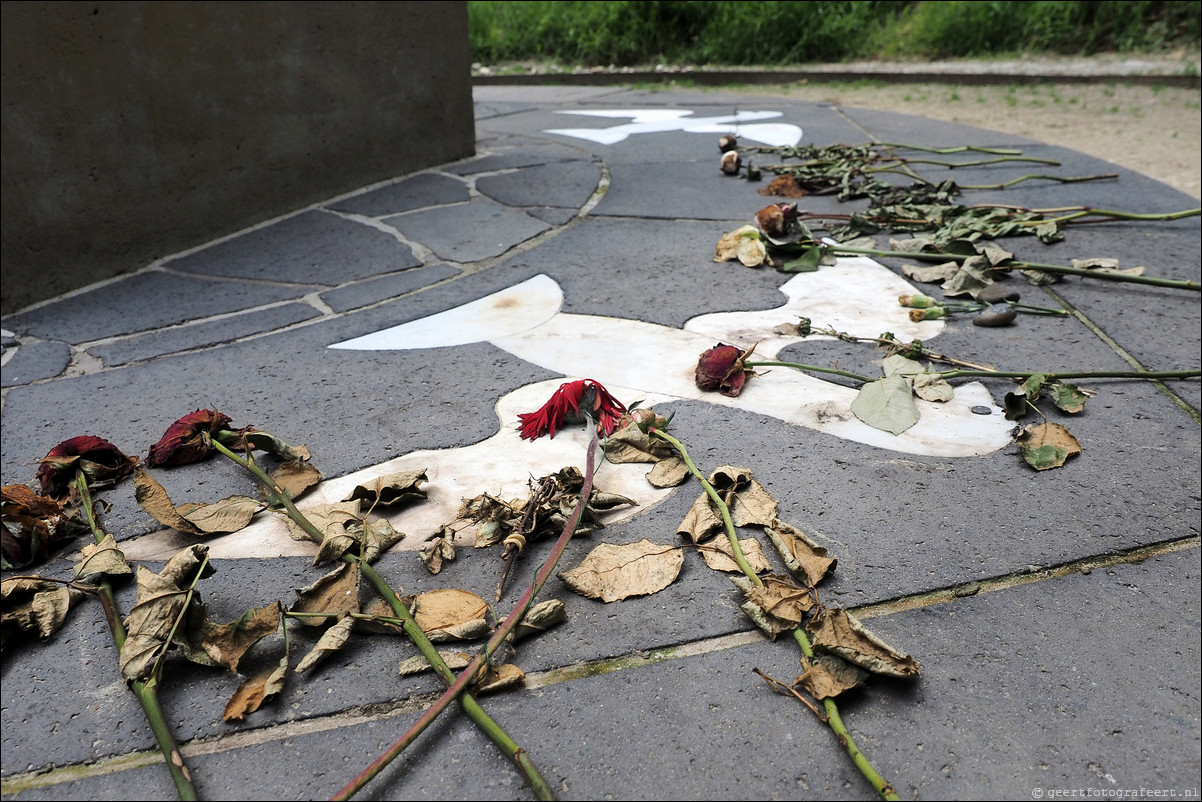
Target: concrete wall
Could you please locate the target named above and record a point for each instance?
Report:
(132, 130)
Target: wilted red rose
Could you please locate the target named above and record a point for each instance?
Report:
(573, 398)
(187, 440)
(33, 525)
(100, 461)
(721, 368)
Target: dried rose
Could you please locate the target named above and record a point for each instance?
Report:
(100, 461)
(777, 219)
(727, 142)
(187, 440)
(572, 399)
(33, 525)
(731, 162)
(721, 368)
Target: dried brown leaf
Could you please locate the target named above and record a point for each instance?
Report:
(827, 676)
(103, 558)
(450, 614)
(392, 489)
(436, 552)
(719, 556)
(228, 643)
(296, 476)
(35, 605)
(701, 522)
(668, 472)
(612, 573)
(252, 693)
(330, 641)
(801, 555)
(839, 632)
(500, 678)
(752, 503)
(334, 594)
(418, 663)
(538, 619)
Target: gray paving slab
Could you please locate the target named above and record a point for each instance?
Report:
(566, 184)
(1041, 685)
(509, 153)
(312, 247)
(418, 192)
(147, 301)
(201, 335)
(34, 361)
(374, 290)
(469, 232)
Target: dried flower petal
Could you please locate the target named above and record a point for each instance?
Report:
(573, 398)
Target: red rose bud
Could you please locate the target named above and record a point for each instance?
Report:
(721, 368)
(187, 440)
(100, 461)
(731, 162)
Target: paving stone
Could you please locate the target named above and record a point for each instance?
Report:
(33, 361)
(470, 232)
(420, 191)
(144, 302)
(379, 289)
(309, 248)
(170, 341)
(566, 184)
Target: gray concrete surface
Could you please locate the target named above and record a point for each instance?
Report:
(133, 130)
(1056, 616)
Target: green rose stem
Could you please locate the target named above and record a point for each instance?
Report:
(832, 711)
(470, 706)
(470, 673)
(147, 691)
(1076, 179)
(1011, 263)
(1000, 374)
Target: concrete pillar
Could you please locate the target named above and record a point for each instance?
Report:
(132, 130)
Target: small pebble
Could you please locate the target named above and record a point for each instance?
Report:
(982, 411)
(996, 315)
(996, 294)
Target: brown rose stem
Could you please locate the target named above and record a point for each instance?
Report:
(834, 721)
(147, 691)
(1101, 275)
(470, 706)
(470, 673)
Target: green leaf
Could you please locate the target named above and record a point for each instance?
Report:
(1068, 397)
(886, 404)
(808, 262)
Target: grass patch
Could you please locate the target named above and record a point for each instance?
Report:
(625, 33)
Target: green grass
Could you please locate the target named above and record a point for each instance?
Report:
(771, 32)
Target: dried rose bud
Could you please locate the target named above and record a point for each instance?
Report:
(731, 162)
(721, 368)
(777, 219)
(100, 461)
(727, 142)
(186, 440)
